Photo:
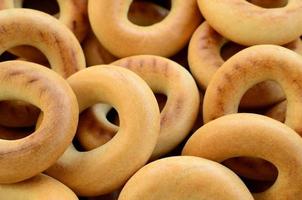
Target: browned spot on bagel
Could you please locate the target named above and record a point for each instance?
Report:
(3, 29)
(32, 80)
(141, 63)
(228, 77)
(15, 73)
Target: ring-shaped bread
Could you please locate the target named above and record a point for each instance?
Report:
(204, 56)
(185, 178)
(37, 188)
(248, 24)
(180, 112)
(253, 135)
(35, 28)
(249, 67)
(108, 167)
(26, 157)
(72, 13)
(110, 23)
(140, 13)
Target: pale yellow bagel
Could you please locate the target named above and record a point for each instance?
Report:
(26, 157)
(180, 112)
(107, 168)
(185, 178)
(37, 188)
(73, 14)
(122, 38)
(256, 136)
(248, 24)
(204, 56)
(29, 27)
(249, 67)
(140, 13)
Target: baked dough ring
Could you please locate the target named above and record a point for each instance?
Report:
(123, 38)
(47, 34)
(262, 137)
(140, 13)
(37, 188)
(249, 67)
(204, 55)
(73, 14)
(29, 27)
(106, 168)
(185, 178)
(248, 24)
(180, 112)
(26, 157)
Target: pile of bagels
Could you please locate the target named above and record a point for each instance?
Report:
(150, 100)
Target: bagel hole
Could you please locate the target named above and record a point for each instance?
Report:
(144, 15)
(229, 49)
(161, 100)
(27, 53)
(6, 56)
(50, 6)
(95, 121)
(112, 116)
(269, 3)
(17, 119)
(258, 174)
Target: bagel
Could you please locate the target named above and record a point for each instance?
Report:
(248, 24)
(255, 136)
(27, 157)
(249, 67)
(123, 38)
(140, 13)
(73, 14)
(180, 112)
(47, 34)
(242, 71)
(108, 167)
(44, 32)
(184, 177)
(204, 56)
(36, 188)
